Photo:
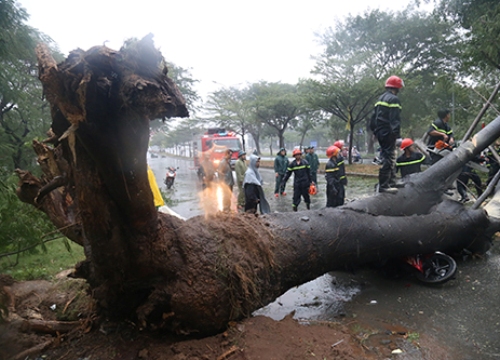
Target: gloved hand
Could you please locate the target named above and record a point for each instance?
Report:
(398, 142)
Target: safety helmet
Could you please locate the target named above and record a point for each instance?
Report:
(332, 151)
(296, 152)
(339, 144)
(313, 190)
(406, 142)
(394, 82)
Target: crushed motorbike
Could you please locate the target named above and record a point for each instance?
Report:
(434, 268)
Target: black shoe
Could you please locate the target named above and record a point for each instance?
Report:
(294, 208)
(389, 190)
(308, 206)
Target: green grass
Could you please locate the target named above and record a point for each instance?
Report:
(42, 265)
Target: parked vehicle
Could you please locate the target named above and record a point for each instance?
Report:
(170, 176)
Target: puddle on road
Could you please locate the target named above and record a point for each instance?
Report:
(320, 299)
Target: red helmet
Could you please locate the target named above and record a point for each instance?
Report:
(296, 152)
(339, 144)
(405, 143)
(313, 190)
(394, 82)
(332, 151)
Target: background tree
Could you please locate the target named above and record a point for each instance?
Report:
(478, 20)
(479, 27)
(349, 99)
(186, 83)
(306, 122)
(232, 110)
(277, 105)
(362, 51)
(23, 115)
(180, 135)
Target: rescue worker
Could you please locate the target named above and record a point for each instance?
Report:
(386, 126)
(254, 194)
(410, 161)
(280, 166)
(335, 191)
(240, 168)
(301, 179)
(342, 176)
(225, 175)
(313, 160)
(440, 130)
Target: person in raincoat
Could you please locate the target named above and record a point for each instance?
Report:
(280, 166)
(240, 168)
(313, 160)
(157, 198)
(254, 194)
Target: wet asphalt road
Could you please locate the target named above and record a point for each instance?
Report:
(463, 313)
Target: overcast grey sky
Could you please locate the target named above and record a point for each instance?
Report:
(221, 42)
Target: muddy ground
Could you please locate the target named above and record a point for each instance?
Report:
(38, 308)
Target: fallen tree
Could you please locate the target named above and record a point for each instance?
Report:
(199, 274)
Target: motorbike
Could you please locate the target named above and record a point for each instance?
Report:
(170, 176)
(434, 268)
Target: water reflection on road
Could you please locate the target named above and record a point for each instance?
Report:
(462, 313)
(185, 192)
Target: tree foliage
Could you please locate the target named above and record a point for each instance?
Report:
(480, 24)
(23, 115)
(232, 109)
(186, 83)
(277, 105)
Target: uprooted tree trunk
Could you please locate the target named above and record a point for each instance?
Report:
(196, 275)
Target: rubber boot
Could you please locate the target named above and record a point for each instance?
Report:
(308, 205)
(294, 208)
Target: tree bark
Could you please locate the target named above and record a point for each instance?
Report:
(197, 275)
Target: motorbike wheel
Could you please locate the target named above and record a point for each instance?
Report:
(437, 269)
(169, 183)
